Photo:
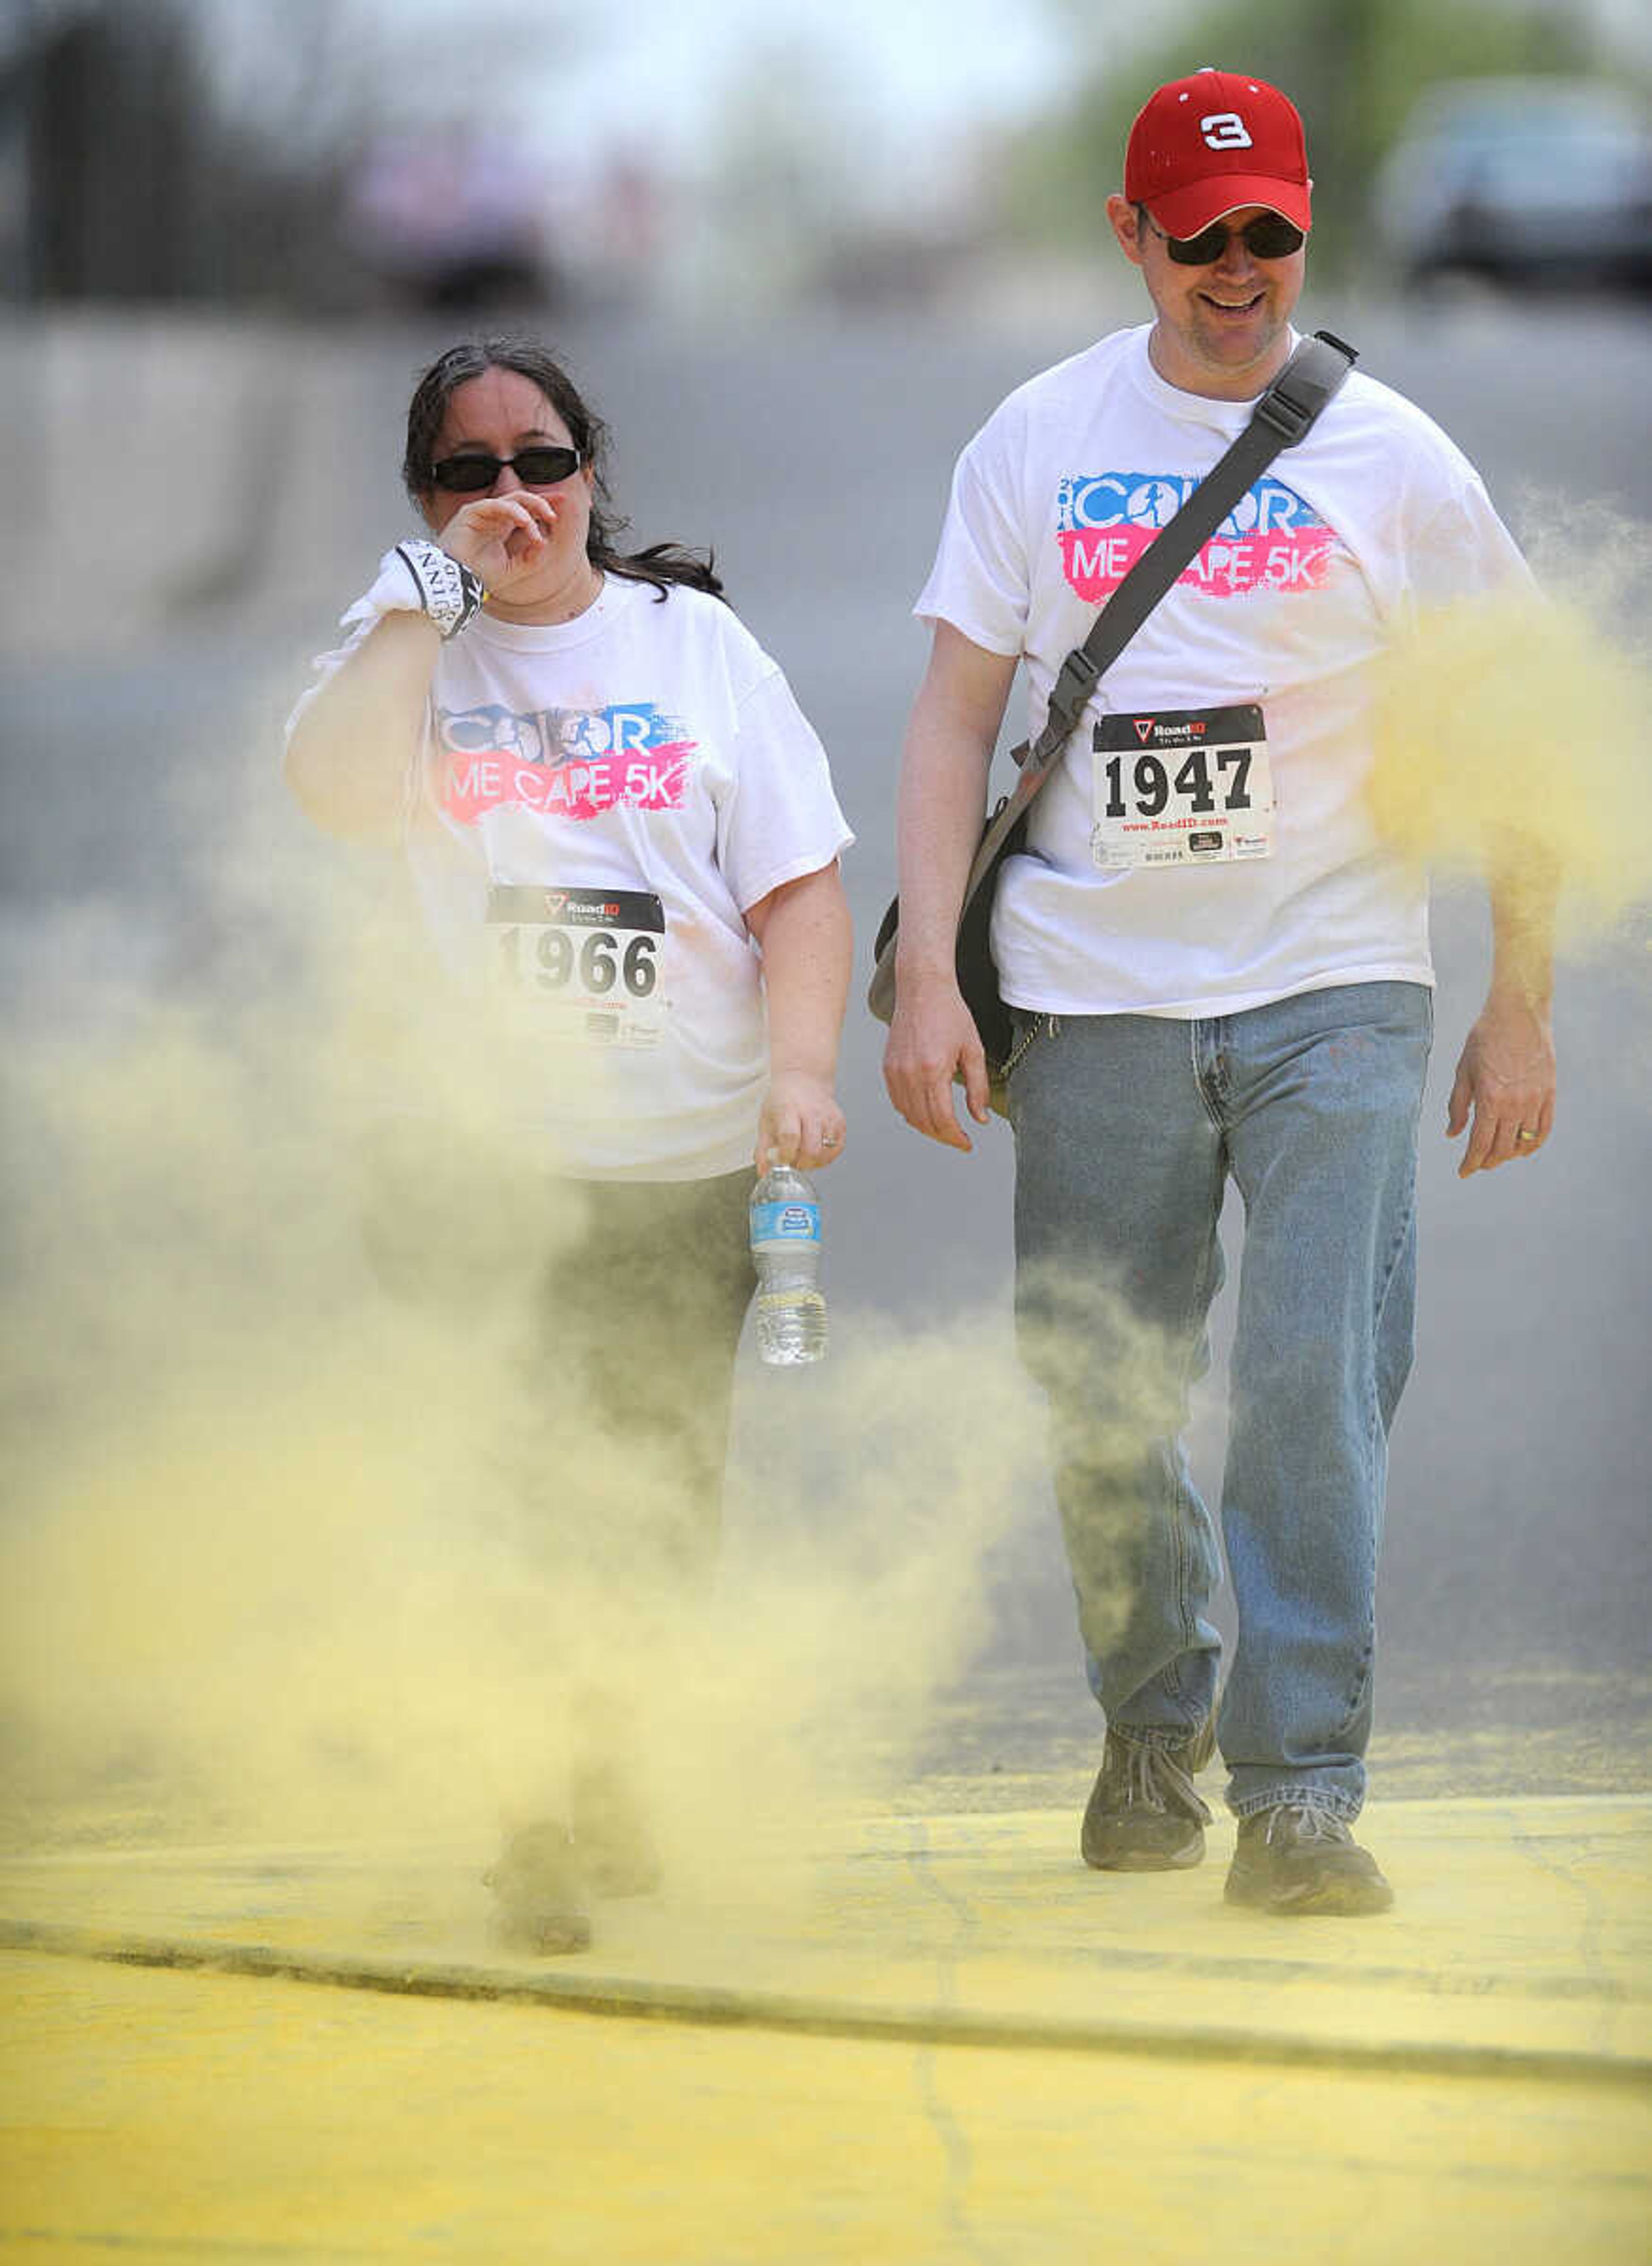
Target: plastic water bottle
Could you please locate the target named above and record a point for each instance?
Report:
(785, 1252)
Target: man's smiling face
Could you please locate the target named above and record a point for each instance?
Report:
(1222, 329)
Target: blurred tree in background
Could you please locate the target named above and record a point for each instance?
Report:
(1354, 68)
(140, 178)
(342, 155)
(193, 151)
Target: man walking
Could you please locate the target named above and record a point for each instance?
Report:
(1251, 997)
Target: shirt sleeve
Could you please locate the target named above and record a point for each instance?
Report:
(980, 583)
(781, 819)
(1465, 552)
(358, 626)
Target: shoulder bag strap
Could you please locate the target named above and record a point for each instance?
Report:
(1281, 416)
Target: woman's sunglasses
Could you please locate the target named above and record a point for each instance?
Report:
(534, 468)
(1268, 236)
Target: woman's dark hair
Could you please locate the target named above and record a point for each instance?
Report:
(659, 564)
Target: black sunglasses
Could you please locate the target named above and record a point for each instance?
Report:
(1270, 236)
(534, 468)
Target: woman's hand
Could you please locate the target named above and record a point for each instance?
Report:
(802, 931)
(501, 538)
(800, 1123)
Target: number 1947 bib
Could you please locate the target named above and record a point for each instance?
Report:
(587, 962)
(1190, 786)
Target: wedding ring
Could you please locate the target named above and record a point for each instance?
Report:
(1522, 1134)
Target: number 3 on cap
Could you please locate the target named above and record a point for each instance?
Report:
(1224, 130)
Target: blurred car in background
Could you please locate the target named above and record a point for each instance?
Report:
(1521, 181)
(452, 220)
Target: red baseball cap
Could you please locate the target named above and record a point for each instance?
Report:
(1204, 146)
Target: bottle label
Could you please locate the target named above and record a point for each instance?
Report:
(784, 1223)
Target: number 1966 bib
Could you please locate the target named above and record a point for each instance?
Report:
(586, 960)
(1188, 786)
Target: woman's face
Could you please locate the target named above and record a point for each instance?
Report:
(495, 415)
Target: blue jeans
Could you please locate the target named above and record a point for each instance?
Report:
(1126, 1130)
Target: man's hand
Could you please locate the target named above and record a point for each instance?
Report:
(933, 1034)
(800, 1123)
(949, 744)
(1505, 1083)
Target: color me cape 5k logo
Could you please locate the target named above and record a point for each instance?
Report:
(567, 762)
(1271, 540)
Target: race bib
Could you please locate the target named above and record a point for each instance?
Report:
(588, 962)
(1190, 786)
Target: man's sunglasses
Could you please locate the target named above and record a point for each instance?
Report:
(1268, 236)
(534, 468)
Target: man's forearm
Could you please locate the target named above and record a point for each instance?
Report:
(949, 745)
(1524, 886)
(942, 796)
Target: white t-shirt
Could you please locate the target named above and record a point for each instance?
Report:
(1284, 610)
(596, 806)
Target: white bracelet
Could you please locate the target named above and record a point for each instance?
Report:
(421, 578)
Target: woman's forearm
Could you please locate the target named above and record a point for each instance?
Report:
(351, 753)
(807, 945)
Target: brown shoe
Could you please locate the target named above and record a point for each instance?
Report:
(1144, 1815)
(542, 1905)
(1300, 1858)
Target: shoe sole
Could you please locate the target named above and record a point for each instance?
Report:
(1347, 1900)
(1148, 1860)
(545, 1939)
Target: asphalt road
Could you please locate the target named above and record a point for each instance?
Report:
(946, 2040)
(814, 453)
